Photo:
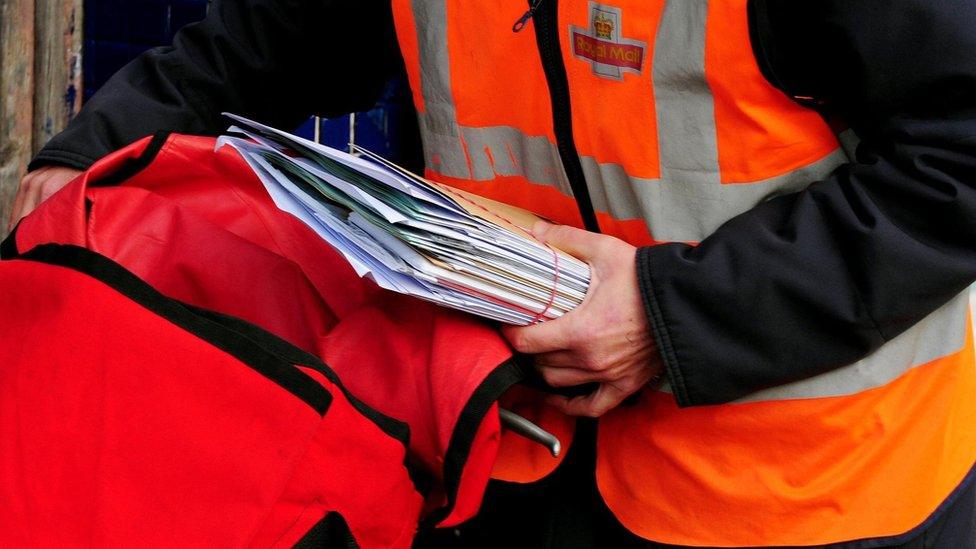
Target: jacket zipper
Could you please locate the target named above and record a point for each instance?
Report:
(543, 12)
(520, 24)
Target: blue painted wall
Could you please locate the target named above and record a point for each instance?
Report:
(116, 31)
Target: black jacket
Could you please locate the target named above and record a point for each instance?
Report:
(797, 286)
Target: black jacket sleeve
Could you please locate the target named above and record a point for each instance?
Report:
(809, 282)
(277, 61)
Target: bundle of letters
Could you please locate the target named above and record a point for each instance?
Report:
(411, 235)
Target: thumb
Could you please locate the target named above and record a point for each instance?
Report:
(602, 400)
(576, 242)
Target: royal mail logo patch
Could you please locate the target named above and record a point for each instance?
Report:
(603, 47)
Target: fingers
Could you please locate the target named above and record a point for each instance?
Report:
(18, 206)
(607, 396)
(576, 242)
(36, 187)
(563, 332)
(561, 359)
(27, 199)
(551, 335)
(568, 377)
(569, 369)
(57, 178)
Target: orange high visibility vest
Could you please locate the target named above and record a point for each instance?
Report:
(676, 131)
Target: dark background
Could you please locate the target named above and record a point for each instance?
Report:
(116, 31)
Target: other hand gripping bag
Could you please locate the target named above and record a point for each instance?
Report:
(198, 226)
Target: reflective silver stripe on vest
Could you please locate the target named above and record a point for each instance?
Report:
(941, 333)
(438, 125)
(687, 139)
(687, 203)
(478, 154)
(688, 209)
(506, 151)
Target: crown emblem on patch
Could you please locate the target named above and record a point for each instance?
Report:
(603, 26)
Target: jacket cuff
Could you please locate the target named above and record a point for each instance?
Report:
(657, 319)
(57, 157)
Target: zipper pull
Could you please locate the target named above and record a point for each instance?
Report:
(520, 24)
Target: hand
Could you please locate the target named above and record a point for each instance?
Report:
(36, 187)
(606, 339)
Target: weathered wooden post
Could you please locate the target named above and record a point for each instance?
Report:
(57, 66)
(16, 97)
(40, 82)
